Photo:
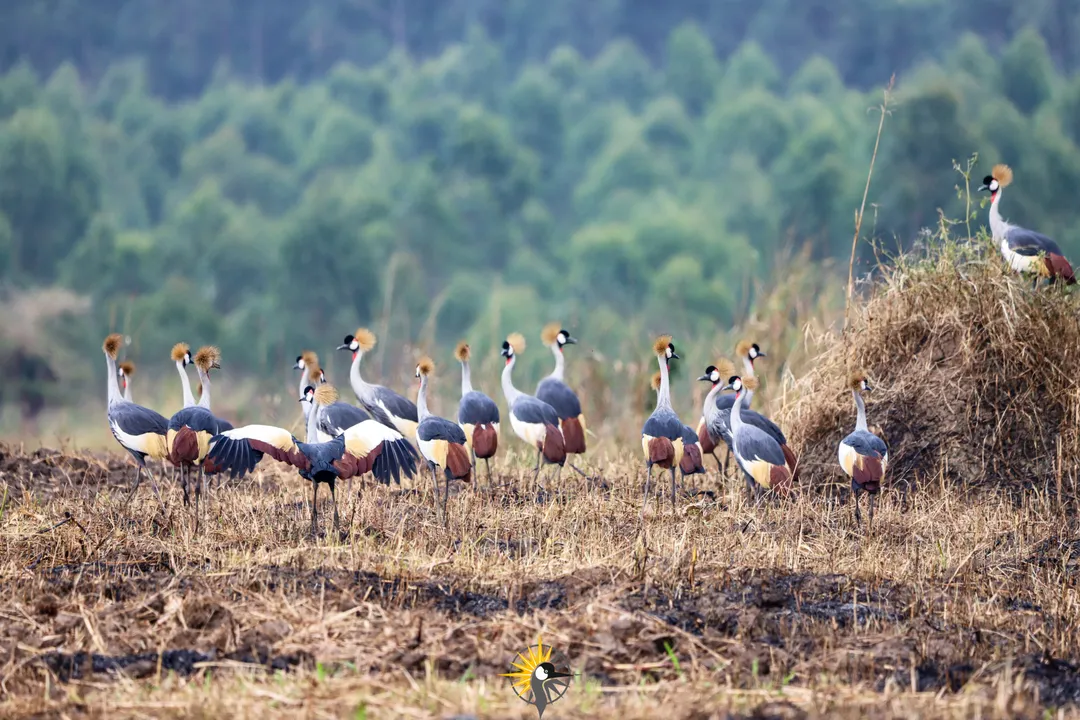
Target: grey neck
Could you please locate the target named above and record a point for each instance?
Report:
(204, 378)
(361, 388)
(466, 379)
(511, 392)
(114, 382)
(305, 379)
(557, 373)
(663, 395)
(311, 410)
(189, 399)
(421, 400)
(998, 224)
(860, 421)
(736, 411)
(127, 390)
(711, 411)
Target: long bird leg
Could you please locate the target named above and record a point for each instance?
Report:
(648, 482)
(858, 515)
(719, 466)
(198, 496)
(183, 485)
(577, 470)
(487, 464)
(435, 484)
(727, 460)
(314, 508)
(333, 498)
(750, 488)
(536, 474)
(871, 510)
(446, 494)
(673, 491)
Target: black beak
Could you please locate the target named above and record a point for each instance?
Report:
(762, 353)
(727, 387)
(983, 187)
(570, 340)
(216, 366)
(675, 357)
(504, 353)
(297, 367)
(705, 378)
(342, 347)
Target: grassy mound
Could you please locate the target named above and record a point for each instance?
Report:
(974, 375)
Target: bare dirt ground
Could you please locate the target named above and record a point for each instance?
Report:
(955, 606)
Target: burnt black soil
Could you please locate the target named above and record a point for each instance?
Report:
(80, 665)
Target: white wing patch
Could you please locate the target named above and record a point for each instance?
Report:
(269, 434)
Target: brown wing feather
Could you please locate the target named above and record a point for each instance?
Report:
(1057, 266)
(780, 479)
(184, 448)
(291, 457)
(868, 473)
(792, 462)
(691, 464)
(554, 449)
(573, 436)
(457, 462)
(661, 452)
(485, 440)
(704, 439)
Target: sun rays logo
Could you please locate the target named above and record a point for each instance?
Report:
(540, 675)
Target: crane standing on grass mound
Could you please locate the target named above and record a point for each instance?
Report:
(385, 405)
(533, 420)
(1025, 250)
(759, 454)
(662, 434)
(863, 455)
(367, 447)
(478, 415)
(555, 392)
(442, 443)
(139, 430)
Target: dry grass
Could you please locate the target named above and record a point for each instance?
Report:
(948, 609)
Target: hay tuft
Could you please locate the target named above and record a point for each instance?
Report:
(975, 374)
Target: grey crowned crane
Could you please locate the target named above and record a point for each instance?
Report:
(758, 453)
(190, 429)
(662, 434)
(749, 352)
(126, 370)
(366, 447)
(1025, 250)
(863, 455)
(478, 415)
(691, 463)
(442, 443)
(717, 414)
(556, 393)
(331, 420)
(384, 404)
(139, 430)
(533, 420)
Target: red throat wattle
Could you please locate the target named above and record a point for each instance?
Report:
(354, 357)
(509, 359)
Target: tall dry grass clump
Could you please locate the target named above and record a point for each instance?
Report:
(974, 375)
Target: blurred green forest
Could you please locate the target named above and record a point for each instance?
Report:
(267, 176)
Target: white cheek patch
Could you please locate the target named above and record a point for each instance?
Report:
(354, 346)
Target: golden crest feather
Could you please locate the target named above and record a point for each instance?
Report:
(655, 381)
(550, 333)
(856, 378)
(517, 342)
(207, 357)
(179, 350)
(326, 394)
(365, 338)
(426, 366)
(310, 358)
(750, 383)
(127, 368)
(461, 352)
(112, 344)
(743, 348)
(1002, 173)
(661, 344)
(726, 368)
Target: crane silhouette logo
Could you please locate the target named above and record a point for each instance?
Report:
(540, 675)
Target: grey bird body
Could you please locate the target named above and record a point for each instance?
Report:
(476, 408)
(558, 395)
(436, 428)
